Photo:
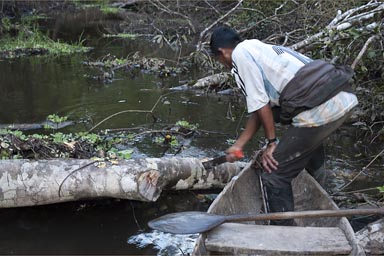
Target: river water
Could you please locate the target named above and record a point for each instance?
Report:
(31, 88)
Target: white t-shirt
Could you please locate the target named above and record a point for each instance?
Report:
(262, 71)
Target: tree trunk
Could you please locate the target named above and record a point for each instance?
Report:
(27, 183)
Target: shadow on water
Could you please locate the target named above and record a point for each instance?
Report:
(95, 227)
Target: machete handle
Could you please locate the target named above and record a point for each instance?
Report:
(238, 153)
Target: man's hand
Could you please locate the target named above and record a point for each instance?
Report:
(269, 163)
(234, 153)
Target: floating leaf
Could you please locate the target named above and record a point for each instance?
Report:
(125, 154)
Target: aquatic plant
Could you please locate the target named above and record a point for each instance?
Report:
(187, 125)
(23, 37)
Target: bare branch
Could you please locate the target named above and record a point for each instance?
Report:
(131, 111)
(280, 7)
(363, 50)
(202, 34)
(344, 21)
(164, 8)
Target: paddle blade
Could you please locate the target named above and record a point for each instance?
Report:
(186, 222)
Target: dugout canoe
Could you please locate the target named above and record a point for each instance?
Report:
(317, 236)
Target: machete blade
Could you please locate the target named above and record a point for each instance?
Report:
(216, 161)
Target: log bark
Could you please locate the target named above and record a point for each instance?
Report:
(210, 81)
(371, 238)
(28, 183)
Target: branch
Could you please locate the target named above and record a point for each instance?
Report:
(202, 34)
(131, 111)
(164, 8)
(363, 50)
(341, 16)
(343, 21)
(364, 168)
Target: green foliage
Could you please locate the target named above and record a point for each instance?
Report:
(60, 137)
(39, 136)
(381, 189)
(103, 5)
(6, 25)
(125, 154)
(230, 141)
(187, 125)
(56, 118)
(109, 10)
(114, 153)
(92, 138)
(114, 62)
(30, 40)
(18, 134)
(159, 140)
(168, 140)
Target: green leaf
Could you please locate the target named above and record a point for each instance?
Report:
(125, 154)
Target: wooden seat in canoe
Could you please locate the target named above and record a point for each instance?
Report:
(237, 238)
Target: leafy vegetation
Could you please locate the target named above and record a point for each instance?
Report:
(23, 37)
(107, 65)
(16, 144)
(187, 125)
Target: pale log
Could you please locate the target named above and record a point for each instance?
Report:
(27, 183)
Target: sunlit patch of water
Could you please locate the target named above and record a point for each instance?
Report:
(165, 243)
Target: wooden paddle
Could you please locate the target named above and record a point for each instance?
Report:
(198, 222)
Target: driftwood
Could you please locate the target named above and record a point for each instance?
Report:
(371, 238)
(27, 183)
(34, 126)
(206, 82)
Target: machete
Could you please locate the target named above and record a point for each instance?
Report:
(221, 159)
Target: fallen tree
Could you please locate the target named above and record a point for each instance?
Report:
(28, 183)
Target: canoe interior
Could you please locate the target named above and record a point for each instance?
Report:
(243, 195)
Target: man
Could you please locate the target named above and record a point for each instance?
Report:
(312, 96)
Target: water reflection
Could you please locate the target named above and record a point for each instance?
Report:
(94, 227)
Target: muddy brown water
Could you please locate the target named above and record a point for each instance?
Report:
(31, 88)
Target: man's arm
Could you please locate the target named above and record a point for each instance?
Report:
(265, 116)
(251, 127)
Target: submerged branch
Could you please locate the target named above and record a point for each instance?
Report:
(132, 111)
